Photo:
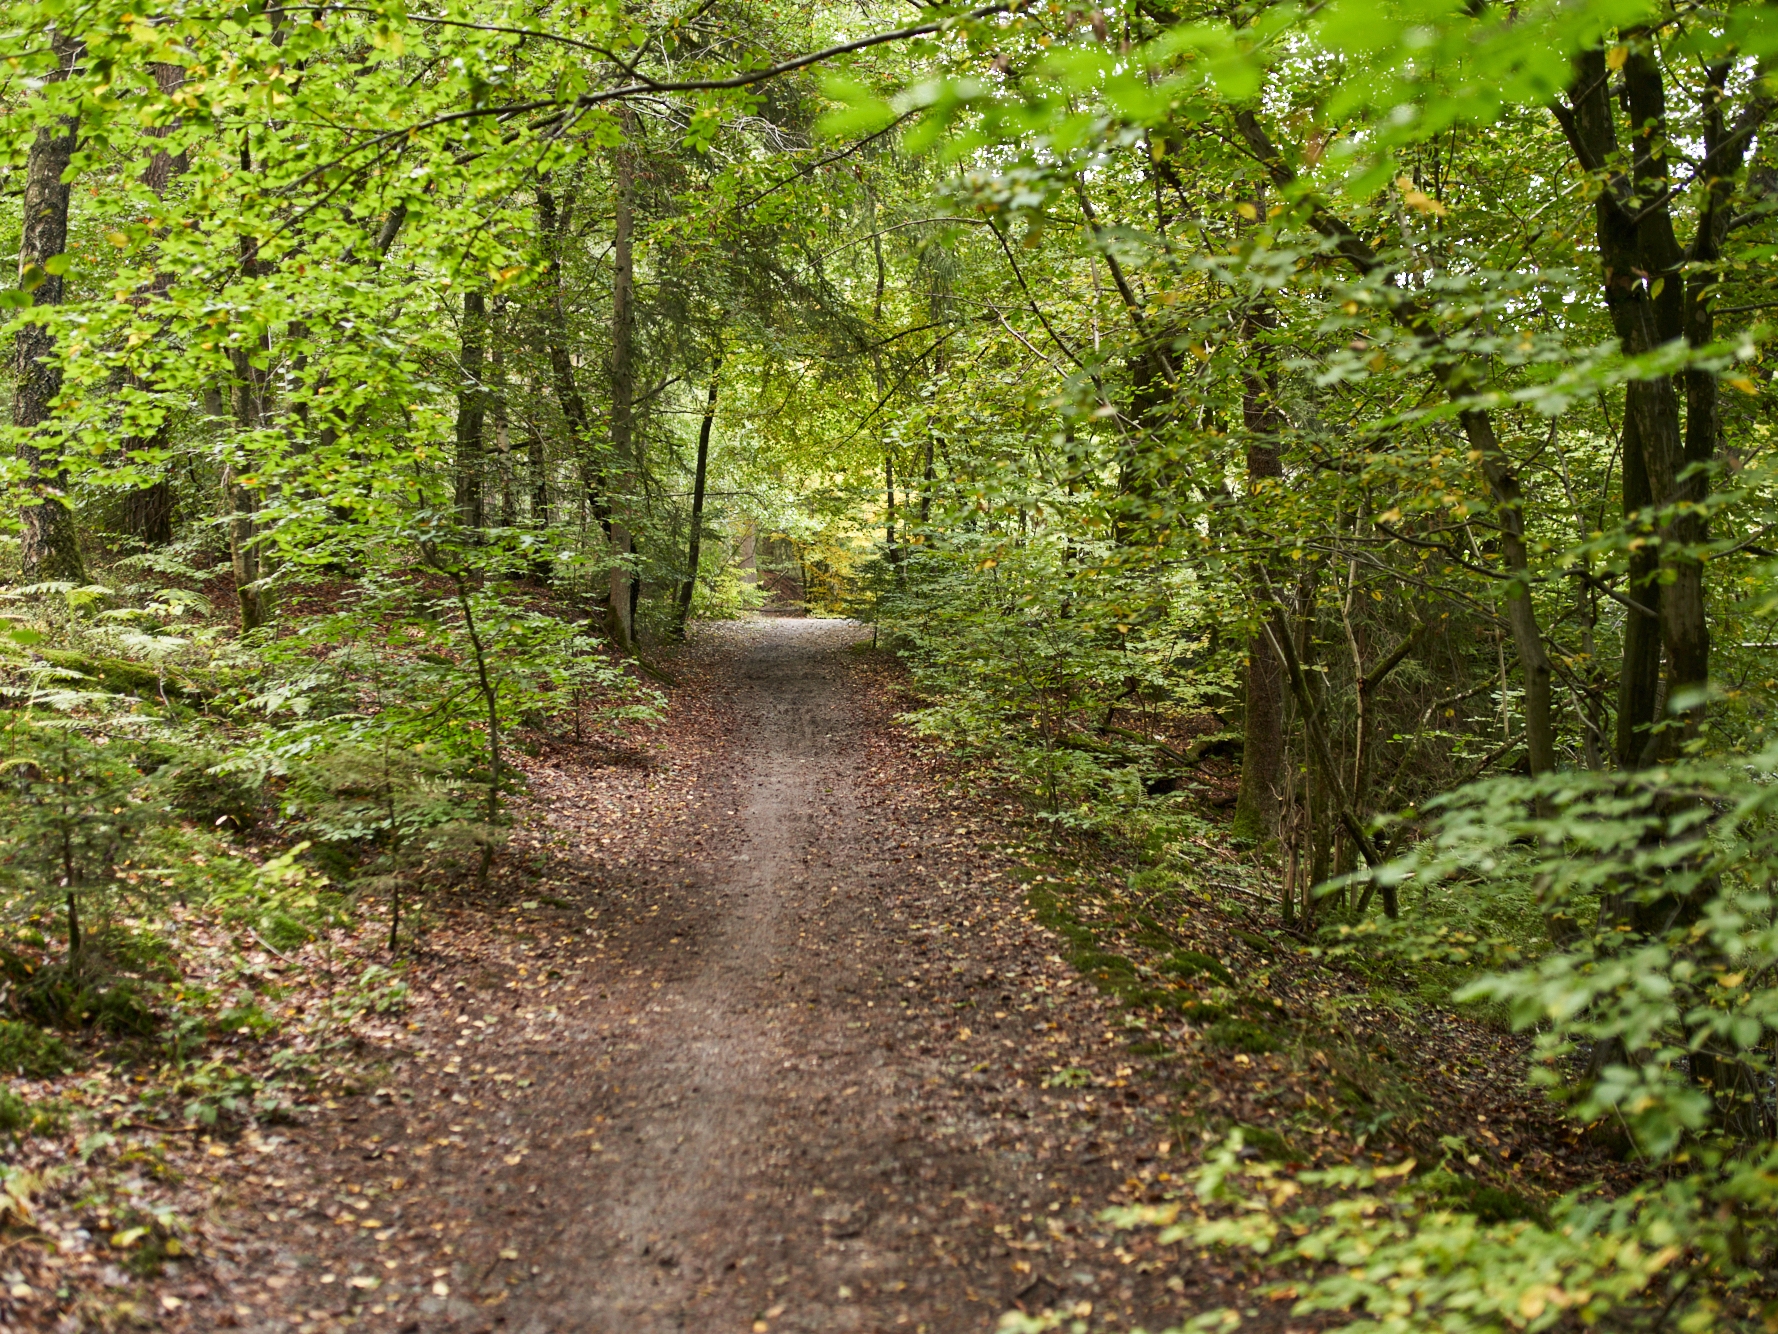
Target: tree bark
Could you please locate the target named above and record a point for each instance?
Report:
(148, 511)
(569, 399)
(697, 501)
(1639, 677)
(1656, 292)
(889, 512)
(620, 623)
(471, 412)
(1262, 750)
(50, 541)
(252, 389)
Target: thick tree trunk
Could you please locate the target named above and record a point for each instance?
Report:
(50, 542)
(697, 502)
(471, 412)
(889, 507)
(1657, 292)
(148, 513)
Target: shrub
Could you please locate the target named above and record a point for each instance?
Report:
(74, 996)
(70, 812)
(204, 789)
(29, 1052)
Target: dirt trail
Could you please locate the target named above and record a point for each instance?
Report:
(779, 1067)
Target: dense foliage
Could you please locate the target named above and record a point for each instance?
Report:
(1379, 393)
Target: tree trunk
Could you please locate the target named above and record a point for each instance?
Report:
(1639, 679)
(252, 388)
(697, 501)
(1521, 615)
(889, 512)
(148, 511)
(1262, 724)
(50, 542)
(471, 412)
(620, 610)
(1656, 292)
(496, 399)
(568, 396)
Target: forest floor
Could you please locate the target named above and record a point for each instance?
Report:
(769, 1056)
(759, 1029)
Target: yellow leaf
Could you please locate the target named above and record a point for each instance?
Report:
(128, 1237)
(1615, 58)
(1423, 203)
(1247, 211)
(1742, 383)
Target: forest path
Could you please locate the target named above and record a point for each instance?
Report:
(764, 1049)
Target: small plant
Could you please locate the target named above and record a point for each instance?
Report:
(400, 807)
(1243, 1035)
(70, 810)
(30, 1053)
(203, 788)
(19, 1118)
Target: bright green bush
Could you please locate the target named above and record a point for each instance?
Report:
(1651, 989)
